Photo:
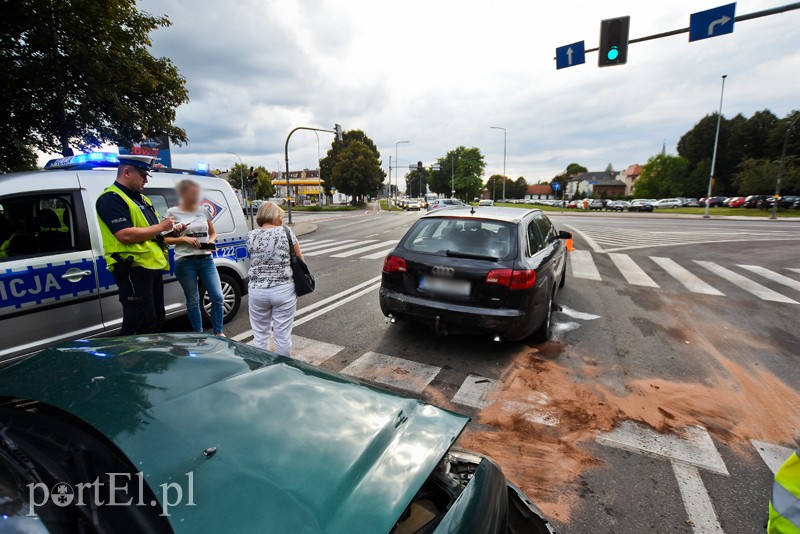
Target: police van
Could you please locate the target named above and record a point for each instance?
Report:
(54, 284)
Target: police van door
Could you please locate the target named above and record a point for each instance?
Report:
(48, 279)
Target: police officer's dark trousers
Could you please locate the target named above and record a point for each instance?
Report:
(141, 293)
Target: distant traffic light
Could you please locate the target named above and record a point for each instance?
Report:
(253, 178)
(339, 134)
(614, 41)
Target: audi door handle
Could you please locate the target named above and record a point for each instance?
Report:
(75, 275)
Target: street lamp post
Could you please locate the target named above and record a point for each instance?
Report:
(396, 165)
(504, 157)
(337, 130)
(716, 144)
(780, 169)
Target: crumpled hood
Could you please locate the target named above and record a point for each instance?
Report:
(299, 449)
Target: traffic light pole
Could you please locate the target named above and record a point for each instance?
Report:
(337, 131)
(716, 144)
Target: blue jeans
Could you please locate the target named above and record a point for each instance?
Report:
(189, 270)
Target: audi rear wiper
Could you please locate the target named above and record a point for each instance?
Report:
(456, 254)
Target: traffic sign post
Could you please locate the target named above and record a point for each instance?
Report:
(570, 55)
(712, 23)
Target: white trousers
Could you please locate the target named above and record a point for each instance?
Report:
(272, 312)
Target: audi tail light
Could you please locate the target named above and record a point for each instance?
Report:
(511, 278)
(393, 264)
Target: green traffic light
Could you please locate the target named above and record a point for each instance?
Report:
(613, 53)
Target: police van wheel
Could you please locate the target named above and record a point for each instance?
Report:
(231, 299)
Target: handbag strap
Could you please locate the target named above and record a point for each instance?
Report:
(292, 253)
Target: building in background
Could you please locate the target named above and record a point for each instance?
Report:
(629, 176)
(584, 183)
(539, 192)
(306, 186)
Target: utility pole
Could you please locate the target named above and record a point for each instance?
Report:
(716, 144)
(396, 165)
(780, 169)
(452, 178)
(390, 178)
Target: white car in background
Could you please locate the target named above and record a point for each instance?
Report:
(669, 203)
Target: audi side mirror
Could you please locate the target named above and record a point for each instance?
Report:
(563, 234)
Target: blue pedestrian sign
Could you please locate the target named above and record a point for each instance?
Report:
(570, 55)
(556, 186)
(712, 23)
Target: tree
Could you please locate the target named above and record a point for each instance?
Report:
(263, 188)
(80, 73)
(662, 176)
(495, 186)
(417, 182)
(237, 175)
(327, 163)
(575, 168)
(758, 176)
(460, 165)
(357, 171)
(609, 168)
(469, 187)
(520, 188)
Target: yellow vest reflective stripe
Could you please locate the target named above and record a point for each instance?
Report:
(784, 506)
(147, 254)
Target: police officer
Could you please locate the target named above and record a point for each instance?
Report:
(135, 251)
(784, 506)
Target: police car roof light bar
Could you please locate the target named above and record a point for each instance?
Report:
(85, 161)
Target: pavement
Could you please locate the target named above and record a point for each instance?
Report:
(666, 400)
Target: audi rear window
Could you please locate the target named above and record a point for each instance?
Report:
(478, 237)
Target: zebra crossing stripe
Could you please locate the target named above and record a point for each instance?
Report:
(321, 251)
(794, 270)
(696, 500)
(631, 271)
(583, 265)
(378, 255)
(689, 280)
(475, 390)
(349, 253)
(322, 244)
(309, 350)
(390, 371)
(762, 292)
(773, 455)
(775, 277)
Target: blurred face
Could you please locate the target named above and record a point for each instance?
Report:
(190, 196)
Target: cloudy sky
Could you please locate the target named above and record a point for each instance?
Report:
(441, 72)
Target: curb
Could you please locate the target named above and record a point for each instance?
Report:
(303, 228)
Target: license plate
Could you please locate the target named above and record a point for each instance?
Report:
(444, 285)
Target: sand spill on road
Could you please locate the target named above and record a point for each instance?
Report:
(735, 403)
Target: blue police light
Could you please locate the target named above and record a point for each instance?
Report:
(88, 161)
(202, 166)
(613, 53)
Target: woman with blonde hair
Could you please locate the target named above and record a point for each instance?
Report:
(272, 299)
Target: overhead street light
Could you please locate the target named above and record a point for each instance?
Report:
(504, 157)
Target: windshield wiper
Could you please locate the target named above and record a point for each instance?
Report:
(456, 254)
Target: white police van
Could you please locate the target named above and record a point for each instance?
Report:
(54, 285)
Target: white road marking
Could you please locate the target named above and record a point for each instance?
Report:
(631, 271)
(382, 244)
(592, 243)
(575, 314)
(475, 390)
(745, 283)
(532, 413)
(773, 455)
(775, 277)
(378, 255)
(315, 305)
(696, 500)
(327, 243)
(310, 350)
(335, 305)
(793, 270)
(695, 447)
(583, 265)
(391, 371)
(351, 224)
(689, 280)
(319, 252)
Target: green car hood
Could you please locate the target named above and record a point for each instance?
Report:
(299, 449)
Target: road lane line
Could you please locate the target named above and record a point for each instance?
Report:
(378, 255)
(329, 243)
(793, 270)
(365, 249)
(319, 252)
(696, 500)
(475, 391)
(631, 271)
(391, 371)
(583, 265)
(775, 277)
(336, 304)
(315, 305)
(592, 243)
(762, 292)
(351, 224)
(689, 280)
(773, 455)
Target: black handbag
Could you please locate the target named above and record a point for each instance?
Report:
(303, 280)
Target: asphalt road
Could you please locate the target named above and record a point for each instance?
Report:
(664, 404)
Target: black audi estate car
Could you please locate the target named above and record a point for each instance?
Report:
(481, 269)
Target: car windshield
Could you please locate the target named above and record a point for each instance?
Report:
(476, 237)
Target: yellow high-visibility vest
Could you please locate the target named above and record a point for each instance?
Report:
(784, 506)
(147, 254)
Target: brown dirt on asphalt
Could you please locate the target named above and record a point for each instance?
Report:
(736, 402)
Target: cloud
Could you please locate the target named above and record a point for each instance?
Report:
(441, 73)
